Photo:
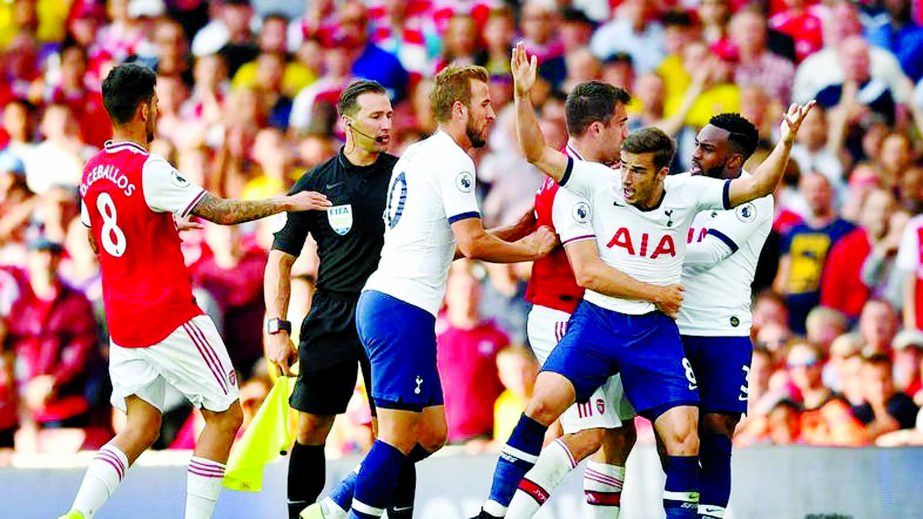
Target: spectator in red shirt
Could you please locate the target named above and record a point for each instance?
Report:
(802, 25)
(467, 357)
(85, 102)
(842, 287)
(52, 332)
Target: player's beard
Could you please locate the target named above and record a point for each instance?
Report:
(474, 135)
(717, 171)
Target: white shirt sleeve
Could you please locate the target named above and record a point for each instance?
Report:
(572, 217)
(707, 253)
(84, 213)
(908, 253)
(709, 193)
(457, 185)
(735, 226)
(582, 177)
(166, 191)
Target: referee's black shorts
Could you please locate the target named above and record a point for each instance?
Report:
(329, 354)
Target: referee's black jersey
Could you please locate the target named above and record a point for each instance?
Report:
(349, 234)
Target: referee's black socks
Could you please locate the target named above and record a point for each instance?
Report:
(307, 472)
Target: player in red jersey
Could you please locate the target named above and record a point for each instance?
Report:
(159, 335)
(596, 124)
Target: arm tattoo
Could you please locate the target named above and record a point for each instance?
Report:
(230, 212)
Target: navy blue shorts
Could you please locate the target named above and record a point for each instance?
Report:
(645, 349)
(400, 340)
(721, 365)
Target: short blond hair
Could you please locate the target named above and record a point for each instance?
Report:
(454, 84)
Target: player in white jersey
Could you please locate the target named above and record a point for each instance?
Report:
(603, 426)
(641, 223)
(431, 210)
(724, 248)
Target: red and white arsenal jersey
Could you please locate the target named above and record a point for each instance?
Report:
(552, 283)
(128, 201)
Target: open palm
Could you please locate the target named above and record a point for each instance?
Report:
(791, 121)
(524, 70)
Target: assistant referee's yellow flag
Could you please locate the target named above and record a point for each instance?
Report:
(268, 435)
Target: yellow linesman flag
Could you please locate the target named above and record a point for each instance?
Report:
(268, 436)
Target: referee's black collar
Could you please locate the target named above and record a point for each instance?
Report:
(349, 166)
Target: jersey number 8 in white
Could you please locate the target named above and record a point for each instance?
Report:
(113, 239)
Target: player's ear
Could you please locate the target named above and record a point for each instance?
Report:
(459, 108)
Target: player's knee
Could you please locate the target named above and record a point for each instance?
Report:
(233, 418)
(313, 429)
(719, 423)
(433, 439)
(143, 433)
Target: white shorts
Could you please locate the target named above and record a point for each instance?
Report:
(607, 407)
(192, 359)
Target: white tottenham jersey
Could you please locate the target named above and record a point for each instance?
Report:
(646, 245)
(432, 186)
(716, 302)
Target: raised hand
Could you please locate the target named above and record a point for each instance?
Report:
(791, 120)
(524, 69)
(670, 299)
(308, 201)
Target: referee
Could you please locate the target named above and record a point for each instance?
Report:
(349, 237)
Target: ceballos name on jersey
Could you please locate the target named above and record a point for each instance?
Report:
(622, 238)
(110, 173)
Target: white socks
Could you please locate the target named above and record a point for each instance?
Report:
(554, 463)
(203, 484)
(103, 475)
(602, 485)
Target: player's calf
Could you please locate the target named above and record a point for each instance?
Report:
(677, 428)
(206, 468)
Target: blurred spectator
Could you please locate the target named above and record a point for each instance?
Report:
(16, 202)
(369, 60)
(827, 418)
(58, 160)
(460, 42)
(269, 77)
(785, 423)
(842, 286)
(908, 354)
(272, 40)
(910, 262)
(769, 307)
(52, 331)
(885, 409)
(404, 29)
(633, 30)
(902, 36)
(83, 98)
(338, 66)
(499, 31)
(802, 24)
(233, 276)
(843, 348)
(273, 157)
(517, 369)
(576, 29)
(805, 248)
(823, 325)
(467, 352)
(172, 51)
(539, 23)
(814, 152)
(755, 64)
(823, 68)
(229, 35)
(878, 324)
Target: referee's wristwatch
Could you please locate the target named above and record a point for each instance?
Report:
(276, 325)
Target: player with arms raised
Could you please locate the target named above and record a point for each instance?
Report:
(641, 224)
(159, 335)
